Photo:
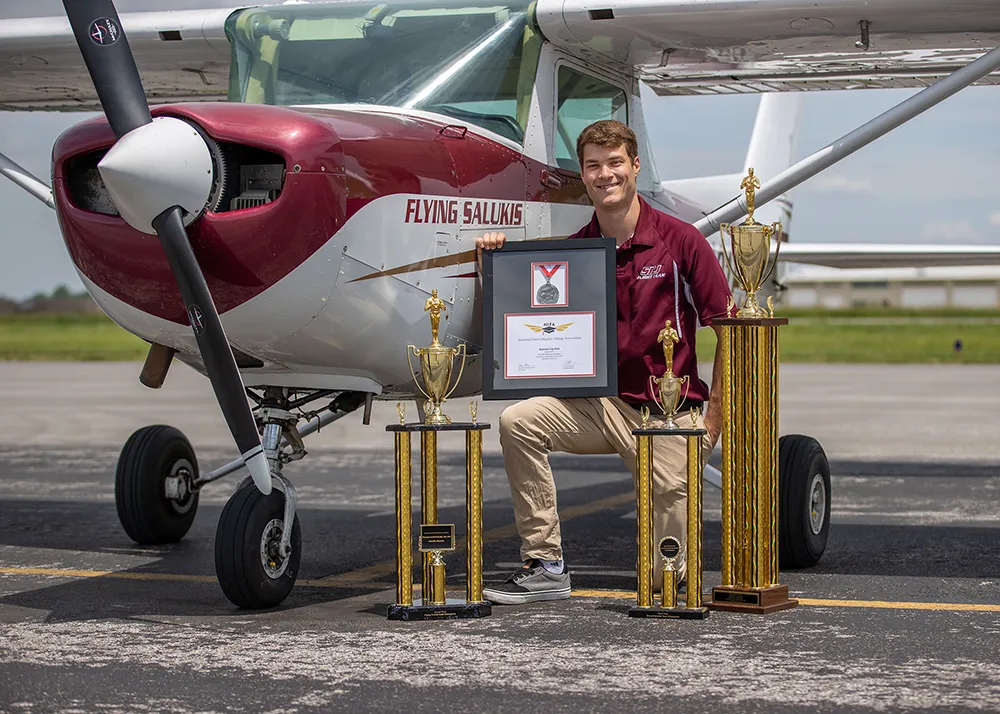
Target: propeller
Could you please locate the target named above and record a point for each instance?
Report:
(159, 174)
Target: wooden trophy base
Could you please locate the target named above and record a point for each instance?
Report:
(760, 600)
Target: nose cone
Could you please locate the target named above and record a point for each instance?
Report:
(155, 167)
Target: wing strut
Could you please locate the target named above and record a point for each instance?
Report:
(27, 181)
(848, 144)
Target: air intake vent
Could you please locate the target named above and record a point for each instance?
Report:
(250, 199)
(245, 361)
(259, 184)
(85, 186)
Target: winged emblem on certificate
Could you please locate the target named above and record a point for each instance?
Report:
(548, 328)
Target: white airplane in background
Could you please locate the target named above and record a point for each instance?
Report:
(362, 148)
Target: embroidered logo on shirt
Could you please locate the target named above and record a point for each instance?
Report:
(651, 271)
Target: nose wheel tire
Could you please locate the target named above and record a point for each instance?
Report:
(804, 501)
(153, 485)
(251, 568)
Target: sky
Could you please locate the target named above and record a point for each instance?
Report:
(936, 179)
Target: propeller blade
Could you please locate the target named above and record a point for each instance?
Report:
(112, 68)
(109, 60)
(215, 351)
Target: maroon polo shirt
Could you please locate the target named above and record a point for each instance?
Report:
(666, 271)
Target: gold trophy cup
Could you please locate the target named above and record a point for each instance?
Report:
(436, 365)
(750, 250)
(669, 390)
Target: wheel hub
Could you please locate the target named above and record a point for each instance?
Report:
(271, 558)
(817, 504)
(177, 486)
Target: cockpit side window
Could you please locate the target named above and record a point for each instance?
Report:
(582, 100)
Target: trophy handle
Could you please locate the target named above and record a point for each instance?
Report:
(775, 230)
(409, 363)
(461, 368)
(725, 254)
(654, 391)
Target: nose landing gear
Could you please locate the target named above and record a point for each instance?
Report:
(253, 568)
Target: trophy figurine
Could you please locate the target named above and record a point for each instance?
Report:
(750, 250)
(669, 390)
(436, 362)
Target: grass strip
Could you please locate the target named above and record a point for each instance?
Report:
(841, 336)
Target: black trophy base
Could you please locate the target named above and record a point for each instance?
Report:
(669, 613)
(759, 600)
(451, 610)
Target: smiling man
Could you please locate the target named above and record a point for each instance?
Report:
(666, 271)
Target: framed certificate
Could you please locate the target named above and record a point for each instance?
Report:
(550, 319)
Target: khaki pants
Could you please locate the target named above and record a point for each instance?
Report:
(529, 430)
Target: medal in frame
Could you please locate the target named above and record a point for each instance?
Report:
(550, 284)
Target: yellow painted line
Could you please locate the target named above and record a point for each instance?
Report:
(891, 605)
(882, 604)
(170, 577)
(610, 594)
(605, 594)
(388, 567)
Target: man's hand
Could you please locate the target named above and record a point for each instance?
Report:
(487, 241)
(713, 422)
(713, 411)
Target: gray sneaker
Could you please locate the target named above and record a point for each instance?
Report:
(530, 583)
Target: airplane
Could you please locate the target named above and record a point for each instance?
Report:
(277, 196)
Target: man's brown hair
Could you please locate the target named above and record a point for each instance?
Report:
(610, 134)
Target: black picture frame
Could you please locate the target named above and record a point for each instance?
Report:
(591, 286)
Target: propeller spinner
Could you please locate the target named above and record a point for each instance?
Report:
(159, 174)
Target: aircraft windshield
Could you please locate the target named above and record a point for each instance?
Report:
(472, 62)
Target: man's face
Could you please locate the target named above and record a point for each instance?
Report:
(609, 176)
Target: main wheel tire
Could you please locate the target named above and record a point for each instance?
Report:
(248, 563)
(151, 456)
(804, 505)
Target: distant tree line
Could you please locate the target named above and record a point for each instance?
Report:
(60, 300)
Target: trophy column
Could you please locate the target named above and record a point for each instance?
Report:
(437, 538)
(669, 547)
(750, 468)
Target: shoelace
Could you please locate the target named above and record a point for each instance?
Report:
(520, 575)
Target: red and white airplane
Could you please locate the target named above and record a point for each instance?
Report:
(362, 149)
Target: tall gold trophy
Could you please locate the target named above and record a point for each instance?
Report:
(435, 538)
(750, 426)
(667, 394)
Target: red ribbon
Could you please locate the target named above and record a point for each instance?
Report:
(549, 273)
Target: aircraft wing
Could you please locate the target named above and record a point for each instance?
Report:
(182, 55)
(748, 46)
(887, 255)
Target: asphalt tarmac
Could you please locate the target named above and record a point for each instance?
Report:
(902, 612)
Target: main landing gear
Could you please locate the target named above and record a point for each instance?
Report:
(257, 552)
(803, 501)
